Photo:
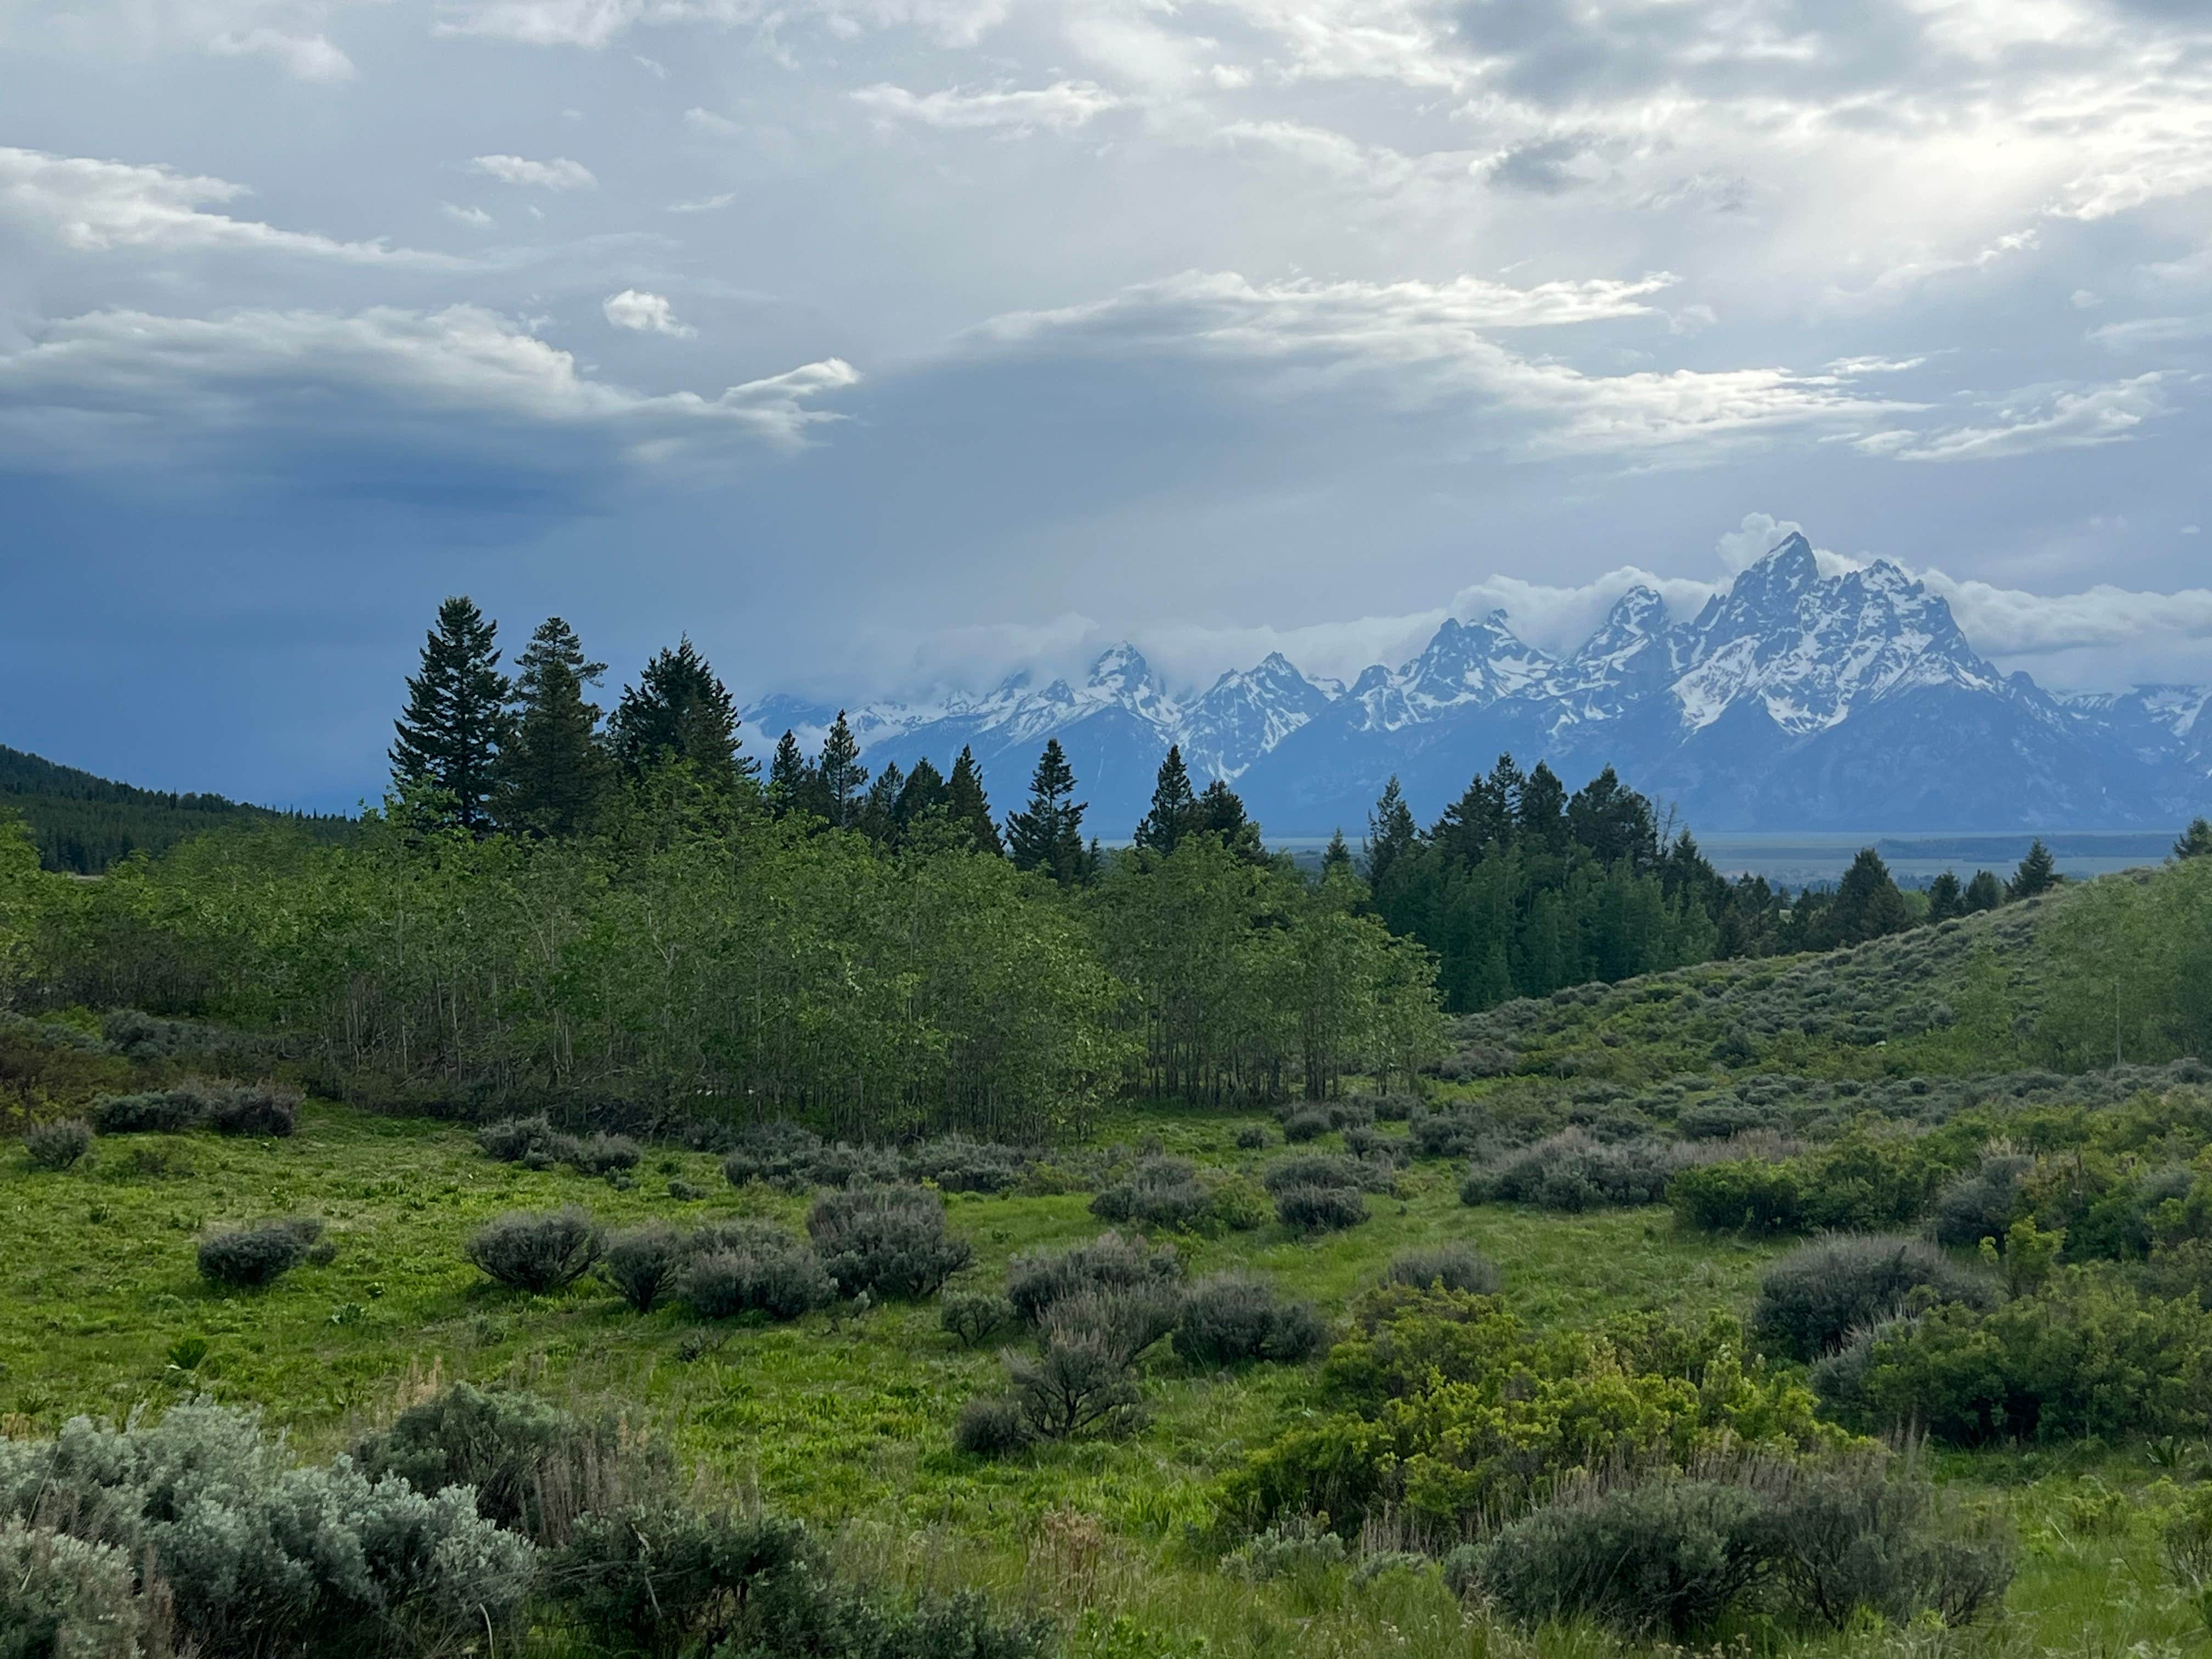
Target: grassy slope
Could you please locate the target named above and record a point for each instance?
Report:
(846, 1421)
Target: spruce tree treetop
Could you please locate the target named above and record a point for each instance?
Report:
(1946, 899)
(1336, 858)
(1390, 832)
(842, 776)
(2038, 873)
(1983, 892)
(969, 807)
(1048, 834)
(1867, 904)
(787, 776)
(2196, 840)
(1219, 812)
(1173, 804)
(679, 710)
(447, 749)
(554, 772)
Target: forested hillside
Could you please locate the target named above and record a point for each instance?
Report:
(82, 824)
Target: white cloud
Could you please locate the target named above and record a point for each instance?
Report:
(1759, 534)
(1849, 368)
(559, 173)
(2003, 622)
(475, 217)
(644, 313)
(93, 207)
(709, 204)
(1060, 107)
(303, 56)
(2036, 421)
(2153, 332)
(714, 125)
(109, 381)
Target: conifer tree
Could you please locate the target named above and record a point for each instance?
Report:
(1336, 858)
(923, 792)
(2038, 873)
(554, 771)
(1219, 812)
(678, 710)
(1946, 899)
(1390, 833)
(2196, 840)
(842, 776)
(1983, 892)
(1047, 834)
(788, 779)
(969, 807)
(1867, 904)
(1173, 805)
(456, 720)
(874, 815)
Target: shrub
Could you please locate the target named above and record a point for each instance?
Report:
(1034, 1283)
(1854, 1536)
(1864, 1181)
(1815, 1296)
(1983, 1205)
(1573, 1172)
(1321, 1209)
(158, 1112)
(753, 1268)
(642, 1264)
(1251, 1137)
(64, 1598)
(991, 1425)
(1306, 1123)
(248, 1257)
(1160, 1192)
(1450, 1134)
(1239, 1205)
(250, 1109)
(57, 1145)
(958, 1164)
(1072, 1384)
(512, 1140)
(536, 1252)
(1230, 1318)
(1453, 1266)
(1326, 1169)
(1391, 1108)
(1123, 1321)
(1298, 1547)
(684, 1192)
(661, 1580)
(973, 1317)
(888, 1241)
(604, 1154)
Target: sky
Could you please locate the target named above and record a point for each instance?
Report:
(879, 343)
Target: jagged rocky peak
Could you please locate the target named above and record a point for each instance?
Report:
(1121, 668)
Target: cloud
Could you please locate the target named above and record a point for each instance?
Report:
(1541, 165)
(1060, 107)
(2036, 421)
(475, 217)
(644, 313)
(2153, 332)
(1759, 534)
(1850, 368)
(714, 126)
(95, 207)
(709, 204)
(559, 173)
(303, 56)
(2003, 622)
(110, 383)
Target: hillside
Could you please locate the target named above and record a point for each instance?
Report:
(82, 823)
(1631, 1162)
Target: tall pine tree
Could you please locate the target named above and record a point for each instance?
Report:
(1336, 857)
(554, 771)
(447, 751)
(790, 778)
(2038, 873)
(1048, 834)
(1219, 812)
(969, 807)
(923, 793)
(1867, 904)
(678, 710)
(1174, 805)
(2196, 840)
(1391, 833)
(842, 776)
(1946, 899)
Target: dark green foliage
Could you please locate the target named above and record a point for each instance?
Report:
(1452, 1266)
(512, 1140)
(665, 1580)
(888, 1241)
(1228, 1318)
(445, 755)
(1074, 1384)
(642, 1264)
(248, 1257)
(1159, 1192)
(1981, 1204)
(1046, 834)
(538, 1252)
(1864, 1181)
(1036, 1284)
(554, 773)
(158, 1112)
(1983, 892)
(957, 1164)
(679, 711)
(57, 1145)
(1819, 1295)
(839, 776)
(686, 1192)
(231, 1108)
(250, 1109)
(1447, 1134)
(604, 1154)
(1667, 1557)
(1174, 806)
(1326, 1169)
(2038, 873)
(1946, 899)
(992, 1425)
(797, 1160)
(1308, 1122)
(1321, 1209)
(1251, 1137)
(969, 808)
(973, 1317)
(1571, 1171)
(743, 1266)
(1867, 905)
(2195, 841)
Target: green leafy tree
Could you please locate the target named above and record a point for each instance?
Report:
(2038, 873)
(1173, 806)
(1946, 899)
(1048, 834)
(554, 772)
(969, 807)
(445, 754)
(679, 711)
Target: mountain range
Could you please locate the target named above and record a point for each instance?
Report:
(1792, 701)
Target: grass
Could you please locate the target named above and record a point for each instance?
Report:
(843, 1418)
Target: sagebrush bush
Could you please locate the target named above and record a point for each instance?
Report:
(753, 1267)
(1456, 1134)
(889, 1240)
(1327, 1170)
(57, 1145)
(1298, 1547)
(64, 1598)
(605, 1154)
(155, 1112)
(537, 1251)
(248, 1257)
(1364, 1141)
(1159, 1192)
(642, 1263)
(1074, 1384)
(992, 1425)
(957, 1164)
(249, 1109)
(1818, 1295)
(1574, 1171)
(1123, 1321)
(1983, 1205)
(1455, 1267)
(797, 1160)
(1037, 1281)
(1389, 1107)
(1321, 1209)
(973, 1317)
(1230, 1318)
(1309, 1123)
(512, 1140)
(1251, 1137)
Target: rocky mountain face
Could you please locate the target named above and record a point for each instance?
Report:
(1793, 700)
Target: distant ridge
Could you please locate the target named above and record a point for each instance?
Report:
(1791, 701)
(83, 822)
